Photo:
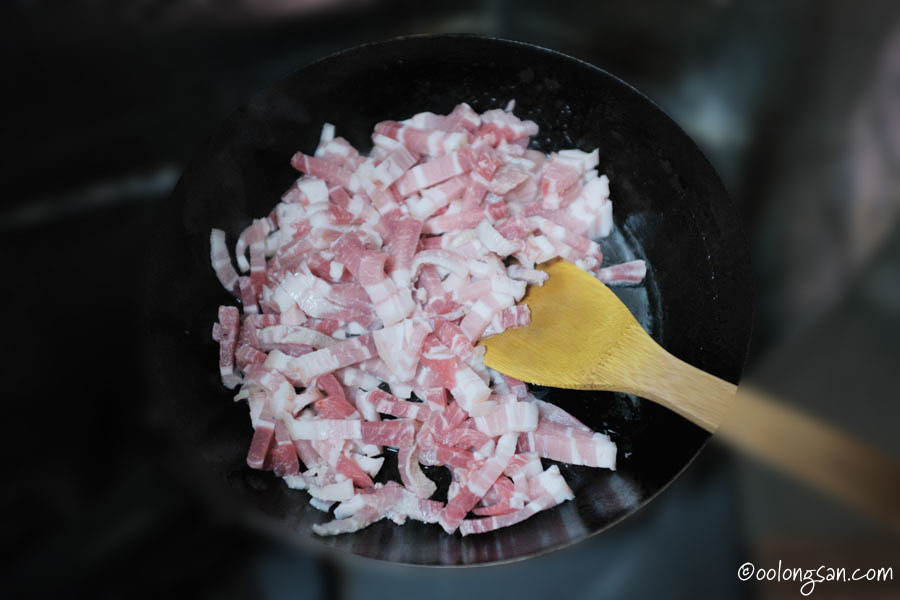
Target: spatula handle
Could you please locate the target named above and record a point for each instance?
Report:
(814, 452)
(694, 394)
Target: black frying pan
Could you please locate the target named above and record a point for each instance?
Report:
(669, 205)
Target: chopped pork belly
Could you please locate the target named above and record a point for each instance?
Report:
(386, 270)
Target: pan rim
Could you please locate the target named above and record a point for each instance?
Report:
(262, 522)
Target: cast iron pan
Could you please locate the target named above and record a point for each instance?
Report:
(670, 208)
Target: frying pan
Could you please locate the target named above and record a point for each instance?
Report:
(670, 208)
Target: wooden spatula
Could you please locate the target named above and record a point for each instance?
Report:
(582, 337)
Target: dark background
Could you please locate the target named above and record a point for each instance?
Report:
(796, 104)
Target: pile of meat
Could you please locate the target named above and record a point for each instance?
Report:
(381, 272)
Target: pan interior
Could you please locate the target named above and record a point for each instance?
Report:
(669, 206)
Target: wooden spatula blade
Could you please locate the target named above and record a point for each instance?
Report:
(577, 324)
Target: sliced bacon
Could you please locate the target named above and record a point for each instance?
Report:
(325, 429)
(570, 445)
(221, 261)
(469, 391)
(389, 404)
(348, 468)
(483, 311)
(478, 484)
(494, 241)
(506, 125)
(263, 434)
(474, 526)
(404, 238)
(226, 333)
(399, 433)
(515, 386)
(411, 473)
(293, 334)
(436, 197)
(454, 338)
(334, 407)
(557, 177)
(432, 142)
(508, 418)
(434, 171)
(623, 273)
(342, 354)
(440, 454)
(382, 272)
(551, 413)
(465, 437)
(532, 276)
(284, 454)
(394, 165)
(399, 346)
(330, 171)
(517, 315)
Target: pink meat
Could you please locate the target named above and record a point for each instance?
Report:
(432, 142)
(263, 433)
(248, 295)
(400, 345)
(505, 179)
(624, 273)
(330, 385)
(499, 508)
(469, 391)
(506, 125)
(474, 526)
(394, 165)
(333, 407)
(483, 311)
(307, 453)
(388, 404)
(391, 304)
(465, 437)
(515, 386)
(399, 433)
(325, 429)
(527, 465)
(328, 170)
(221, 261)
(405, 233)
(517, 315)
(388, 269)
(436, 197)
(570, 445)
(269, 337)
(348, 468)
(550, 413)
(247, 356)
(226, 333)
(556, 179)
(343, 354)
(454, 221)
(411, 473)
(435, 398)
(284, 454)
(507, 418)
(361, 519)
(434, 171)
(478, 484)
(532, 276)
(440, 454)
